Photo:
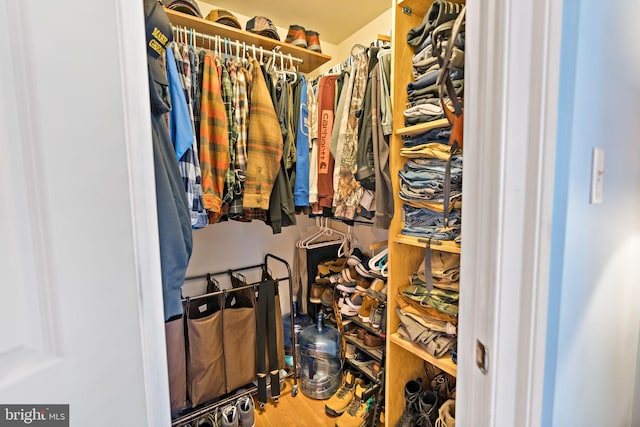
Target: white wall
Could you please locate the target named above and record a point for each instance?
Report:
(592, 367)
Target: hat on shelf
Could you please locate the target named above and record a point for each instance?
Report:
(263, 26)
(224, 17)
(189, 7)
(159, 35)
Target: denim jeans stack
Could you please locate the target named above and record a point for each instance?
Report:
(422, 182)
(423, 102)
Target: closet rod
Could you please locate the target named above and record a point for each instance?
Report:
(238, 45)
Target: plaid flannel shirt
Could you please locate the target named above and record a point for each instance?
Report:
(188, 164)
(214, 139)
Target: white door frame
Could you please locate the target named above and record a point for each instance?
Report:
(132, 42)
(511, 99)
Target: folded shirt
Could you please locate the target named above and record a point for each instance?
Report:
(426, 108)
(432, 149)
(411, 121)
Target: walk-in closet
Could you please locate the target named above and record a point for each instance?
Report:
(255, 214)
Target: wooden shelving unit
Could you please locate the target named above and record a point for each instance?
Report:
(311, 60)
(405, 360)
(444, 363)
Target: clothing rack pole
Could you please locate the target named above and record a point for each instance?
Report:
(229, 271)
(238, 45)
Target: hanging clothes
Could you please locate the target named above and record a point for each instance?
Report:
(349, 190)
(303, 149)
(326, 162)
(264, 144)
(214, 139)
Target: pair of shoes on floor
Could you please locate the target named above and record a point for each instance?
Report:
(447, 414)
(308, 39)
(421, 406)
(242, 414)
(349, 403)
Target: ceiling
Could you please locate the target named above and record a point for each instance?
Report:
(335, 20)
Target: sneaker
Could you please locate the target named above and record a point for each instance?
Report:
(349, 274)
(296, 36)
(356, 257)
(447, 414)
(365, 310)
(327, 297)
(316, 292)
(376, 315)
(356, 413)
(362, 284)
(351, 305)
(230, 416)
(350, 351)
(209, 420)
(246, 413)
(348, 287)
(427, 409)
(412, 391)
(340, 401)
(313, 41)
(375, 288)
(362, 359)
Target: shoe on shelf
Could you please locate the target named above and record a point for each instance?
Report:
(365, 310)
(350, 351)
(348, 287)
(447, 414)
(209, 420)
(326, 299)
(375, 287)
(331, 267)
(377, 311)
(427, 409)
(356, 414)
(356, 257)
(362, 359)
(296, 36)
(340, 401)
(352, 304)
(246, 411)
(317, 289)
(362, 284)
(349, 274)
(229, 417)
(313, 40)
(371, 340)
(412, 392)
(361, 333)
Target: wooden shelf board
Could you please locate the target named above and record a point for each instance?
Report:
(365, 369)
(384, 38)
(375, 352)
(422, 127)
(311, 59)
(367, 326)
(444, 363)
(438, 245)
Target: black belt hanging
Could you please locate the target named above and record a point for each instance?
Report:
(266, 330)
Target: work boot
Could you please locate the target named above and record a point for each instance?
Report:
(340, 401)
(412, 391)
(296, 36)
(356, 414)
(313, 41)
(447, 414)
(427, 409)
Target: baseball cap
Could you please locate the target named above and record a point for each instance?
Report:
(224, 17)
(263, 26)
(189, 7)
(159, 35)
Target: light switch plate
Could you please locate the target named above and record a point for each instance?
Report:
(597, 175)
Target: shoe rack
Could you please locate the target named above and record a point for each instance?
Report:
(405, 360)
(310, 59)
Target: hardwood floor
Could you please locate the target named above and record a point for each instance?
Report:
(299, 411)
